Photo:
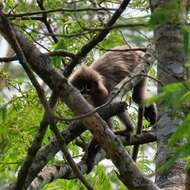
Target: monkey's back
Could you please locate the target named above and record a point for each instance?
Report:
(116, 64)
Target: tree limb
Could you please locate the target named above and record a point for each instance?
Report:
(51, 54)
(98, 38)
(76, 129)
(63, 171)
(11, 16)
(130, 175)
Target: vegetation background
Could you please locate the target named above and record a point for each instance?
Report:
(73, 32)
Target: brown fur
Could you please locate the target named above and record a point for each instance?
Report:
(96, 82)
(99, 79)
(107, 71)
(116, 65)
(101, 76)
(86, 73)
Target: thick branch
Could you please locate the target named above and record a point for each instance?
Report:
(76, 129)
(64, 171)
(51, 54)
(128, 171)
(39, 137)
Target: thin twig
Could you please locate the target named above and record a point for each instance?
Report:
(51, 54)
(134, 25)
(43, 126)
(59, 10)
(45, 21)
(98, 38)
(63, 148)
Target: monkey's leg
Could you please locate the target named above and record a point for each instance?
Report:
(93, 149)
(139, 94)
(138, 131)
(124, 117)
(139, 91)
(187, 180)
(151, 113)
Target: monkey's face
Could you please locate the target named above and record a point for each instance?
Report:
(90, 83)
(94, 91)
(87, 87)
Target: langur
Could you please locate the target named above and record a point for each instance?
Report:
(99, 79)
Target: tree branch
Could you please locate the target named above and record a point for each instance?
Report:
(61, 142)
(130, 175)
(11, 16)
(51, 54)
(39, 137)
(48, 174)
(98, 38)
(76, 129)
(45, 21)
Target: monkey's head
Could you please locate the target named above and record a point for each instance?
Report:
(89, 82)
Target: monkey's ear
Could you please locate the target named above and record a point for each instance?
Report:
(102, 89)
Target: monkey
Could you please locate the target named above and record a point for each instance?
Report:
(98, 80)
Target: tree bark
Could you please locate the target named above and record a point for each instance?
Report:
(169, 48)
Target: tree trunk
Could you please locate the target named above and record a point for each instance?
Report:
(169, 48)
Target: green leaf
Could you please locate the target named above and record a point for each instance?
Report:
(3, 111)
(182, 132)
(168, 13)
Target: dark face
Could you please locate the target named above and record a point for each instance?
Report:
(86, 87)
(91, 86)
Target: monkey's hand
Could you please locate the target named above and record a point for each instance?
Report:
(126, 133)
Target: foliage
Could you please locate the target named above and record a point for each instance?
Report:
(168, 13)
(176, 97)
(18, 126)
(20, 115)
(101, 179)
(19, 121)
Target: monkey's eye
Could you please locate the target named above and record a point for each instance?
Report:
(85, 89)
(82, 89)
(88, 89)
